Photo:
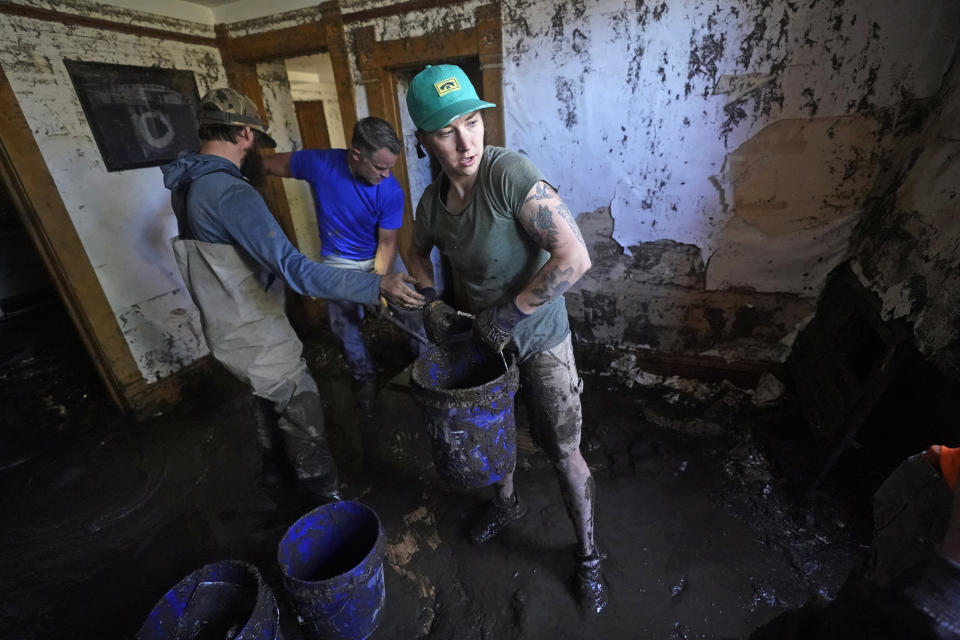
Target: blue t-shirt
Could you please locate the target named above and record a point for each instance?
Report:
(349, 210)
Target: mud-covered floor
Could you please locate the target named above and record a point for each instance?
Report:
(101, 514)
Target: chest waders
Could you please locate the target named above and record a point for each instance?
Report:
(247, 330)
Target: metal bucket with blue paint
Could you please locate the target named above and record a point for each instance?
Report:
(466, 393)
(227, 599)
(332, 565)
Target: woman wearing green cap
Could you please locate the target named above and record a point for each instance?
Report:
(515, 249)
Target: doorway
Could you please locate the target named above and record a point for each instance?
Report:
(48, 383)
(24, 285)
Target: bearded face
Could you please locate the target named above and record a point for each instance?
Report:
(252, 167)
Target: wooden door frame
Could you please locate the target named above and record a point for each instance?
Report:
(299, 106)
(380, 61)
(324, 36)
(38, 204)
(240, 56)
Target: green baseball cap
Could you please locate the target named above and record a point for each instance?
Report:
(440, 94)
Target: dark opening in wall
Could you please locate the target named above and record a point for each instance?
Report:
(48, 384)
(24, 284)
(867, 396)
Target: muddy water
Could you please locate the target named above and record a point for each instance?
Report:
(96, 530)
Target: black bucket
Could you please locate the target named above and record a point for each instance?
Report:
(227, 599)
(332, 565)
(466, 392)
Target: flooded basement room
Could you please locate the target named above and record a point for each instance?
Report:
(479, 320)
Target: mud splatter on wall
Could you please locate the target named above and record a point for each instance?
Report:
(123, 218)
(906, 247)
(751, 132)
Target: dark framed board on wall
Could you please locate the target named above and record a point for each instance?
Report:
(139, 116)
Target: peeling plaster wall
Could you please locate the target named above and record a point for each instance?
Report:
(129, 16)
(718, 158)
(727, 150)
(454, 17)
(258, 10)
(123, 218)
(906, 248)
(655, 297)
(737, 141)
(282, 20)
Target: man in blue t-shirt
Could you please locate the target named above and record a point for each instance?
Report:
(359, 212)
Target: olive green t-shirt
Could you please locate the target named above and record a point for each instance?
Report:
(492, 256)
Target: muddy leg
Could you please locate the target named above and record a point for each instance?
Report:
(504, 489)
(577, 489)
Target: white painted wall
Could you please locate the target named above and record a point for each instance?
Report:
(123, 218)
(643, 111)
(908, 252)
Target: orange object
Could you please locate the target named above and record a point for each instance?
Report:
(947, 459)
(950, 465)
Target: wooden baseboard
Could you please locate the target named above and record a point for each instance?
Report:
(742, 373)
(146, 400)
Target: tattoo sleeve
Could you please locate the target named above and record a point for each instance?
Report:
(546, 229)
(551, 284)
(543, 192)
(542, 224)
(564, 212)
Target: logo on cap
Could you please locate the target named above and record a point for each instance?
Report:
(446, 86)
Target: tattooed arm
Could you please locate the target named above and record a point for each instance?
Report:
(549, 222)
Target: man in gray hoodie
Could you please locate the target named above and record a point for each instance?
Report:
(235, 260)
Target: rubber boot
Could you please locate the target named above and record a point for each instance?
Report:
(304, 434)
(272, 471)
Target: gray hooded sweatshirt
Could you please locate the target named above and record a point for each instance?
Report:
(234, 259)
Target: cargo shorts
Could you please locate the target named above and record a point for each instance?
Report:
(550, 388)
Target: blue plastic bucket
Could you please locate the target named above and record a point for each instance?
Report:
(332, 565)
(466, 393)
(227, 599)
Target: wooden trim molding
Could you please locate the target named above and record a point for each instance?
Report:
(490, 51)
(325, 36)
(339, 60)
(289, 42)
(379, 61)
(45, 218)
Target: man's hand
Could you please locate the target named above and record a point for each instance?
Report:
(494, 325)
(393, 287)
